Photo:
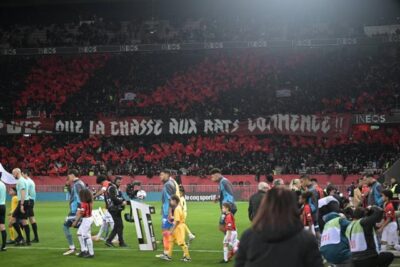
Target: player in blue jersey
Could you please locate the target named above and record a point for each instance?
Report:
(170, 188)
(76, 185)
(225, 194)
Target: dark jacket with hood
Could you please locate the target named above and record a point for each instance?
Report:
(254, 203)
(290, 247)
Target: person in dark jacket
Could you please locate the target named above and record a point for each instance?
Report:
(255, 199)
(278, 240)
(375, 192)
(362, 236)
(115, 205)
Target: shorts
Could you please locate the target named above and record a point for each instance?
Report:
(2, 214)
(85, 227)
(179, 234)
(232, 241)
(29, 210)
(166, 224)
(389, 234)
(17, 214)
(69, 220)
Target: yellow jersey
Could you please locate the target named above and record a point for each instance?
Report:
(182, 202)
(179, 216)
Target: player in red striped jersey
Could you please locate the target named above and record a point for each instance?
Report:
(84, 231)
(306, 213)
(231, 242)
(390, 238)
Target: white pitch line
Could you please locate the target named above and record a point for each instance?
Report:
(112, 249)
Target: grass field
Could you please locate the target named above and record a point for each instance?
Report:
(205, 250)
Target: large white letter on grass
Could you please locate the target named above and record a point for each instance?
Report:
(141, 215)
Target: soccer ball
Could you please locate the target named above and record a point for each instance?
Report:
(141, 194)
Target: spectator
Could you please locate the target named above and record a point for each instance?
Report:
(374, 196)
(278, 183)
(255, 200)
(357, 199)
(271, 237)
(295, 186)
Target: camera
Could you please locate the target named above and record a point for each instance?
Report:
(131, 190)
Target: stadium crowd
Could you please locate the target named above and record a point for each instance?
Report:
(53, 155)
(197, 85)
(239, 85)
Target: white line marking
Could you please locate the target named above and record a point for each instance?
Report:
(112, 249)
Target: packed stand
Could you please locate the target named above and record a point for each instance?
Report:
(241, 85)
(372, 151)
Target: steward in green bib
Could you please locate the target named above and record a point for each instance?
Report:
(395, 188)
(334, 244)
(364, 245)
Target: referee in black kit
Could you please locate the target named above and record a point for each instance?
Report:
(115, 206)
(20, 212)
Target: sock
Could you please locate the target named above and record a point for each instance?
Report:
(225, 253)
(27, 233)
(110, 227)
(235, 247)
(170, 248)
(185, 250)
(383, 247)
(35, 232)
(3, 238)
(188, 230)
(89, 245)
(11, 231)
(18, 230)
(166, 240)
(68, 235)
(82, 243)
(102, 229)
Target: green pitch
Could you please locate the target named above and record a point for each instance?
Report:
(206, 249)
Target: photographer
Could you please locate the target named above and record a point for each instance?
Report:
(115, 205)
